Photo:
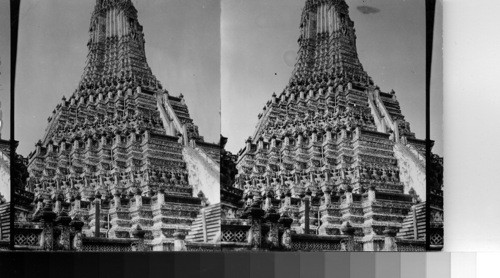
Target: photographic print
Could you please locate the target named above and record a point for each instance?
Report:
(5, 160)
(118, 121)
(336, 158)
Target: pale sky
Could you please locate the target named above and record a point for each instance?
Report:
(5, 67)
(259, 39)
(182, 48)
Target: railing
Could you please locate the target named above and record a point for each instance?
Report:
(92, 244)
(412, 154)
(302, 242)
(4, 245)
(168, 115)
(235, 235)
(27, 239)
(411, 245)
(203, 247)
(204, 173)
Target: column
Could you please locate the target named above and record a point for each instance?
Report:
(335, 19)
(348, 243)
(370, 239)
(115, 19)
(113, 22)
(327, 214)
(327, 20)
(254, 213)
(118, 23)
(125, 29)
(108, 23)
(47, 238)
(317, 21)
(97, 217)
(179, 241)
(62, 222)
(113, 213)
(98, 28)
(272, 238)
(77, 226)
(390, 240)
(121, 24)
(138, 233)
(286, 239)
(323, 20)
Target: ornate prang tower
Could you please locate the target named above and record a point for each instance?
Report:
(120, 158)
(333, 164)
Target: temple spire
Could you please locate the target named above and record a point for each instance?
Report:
(328, 43)
(116, 46)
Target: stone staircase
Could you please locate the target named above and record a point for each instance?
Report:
(204, 173)
(206, 226)
(4, 221)
(412, 170)
(407, 230)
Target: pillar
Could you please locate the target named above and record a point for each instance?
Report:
(271, 216)
(77, 226)
(254, 213)
(286, 239)
(138, 233)
(62, 222)
(47, 238)
(328, 226)
(390, 240)
(97, 218)
(348, 243)
(179, 242)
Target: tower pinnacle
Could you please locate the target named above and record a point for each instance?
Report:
(116, 46)
(328, 44)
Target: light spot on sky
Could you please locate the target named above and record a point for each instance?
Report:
(367, 10)
(290, 57)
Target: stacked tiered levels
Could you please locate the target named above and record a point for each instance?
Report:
(112, 154)
(332, 154)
